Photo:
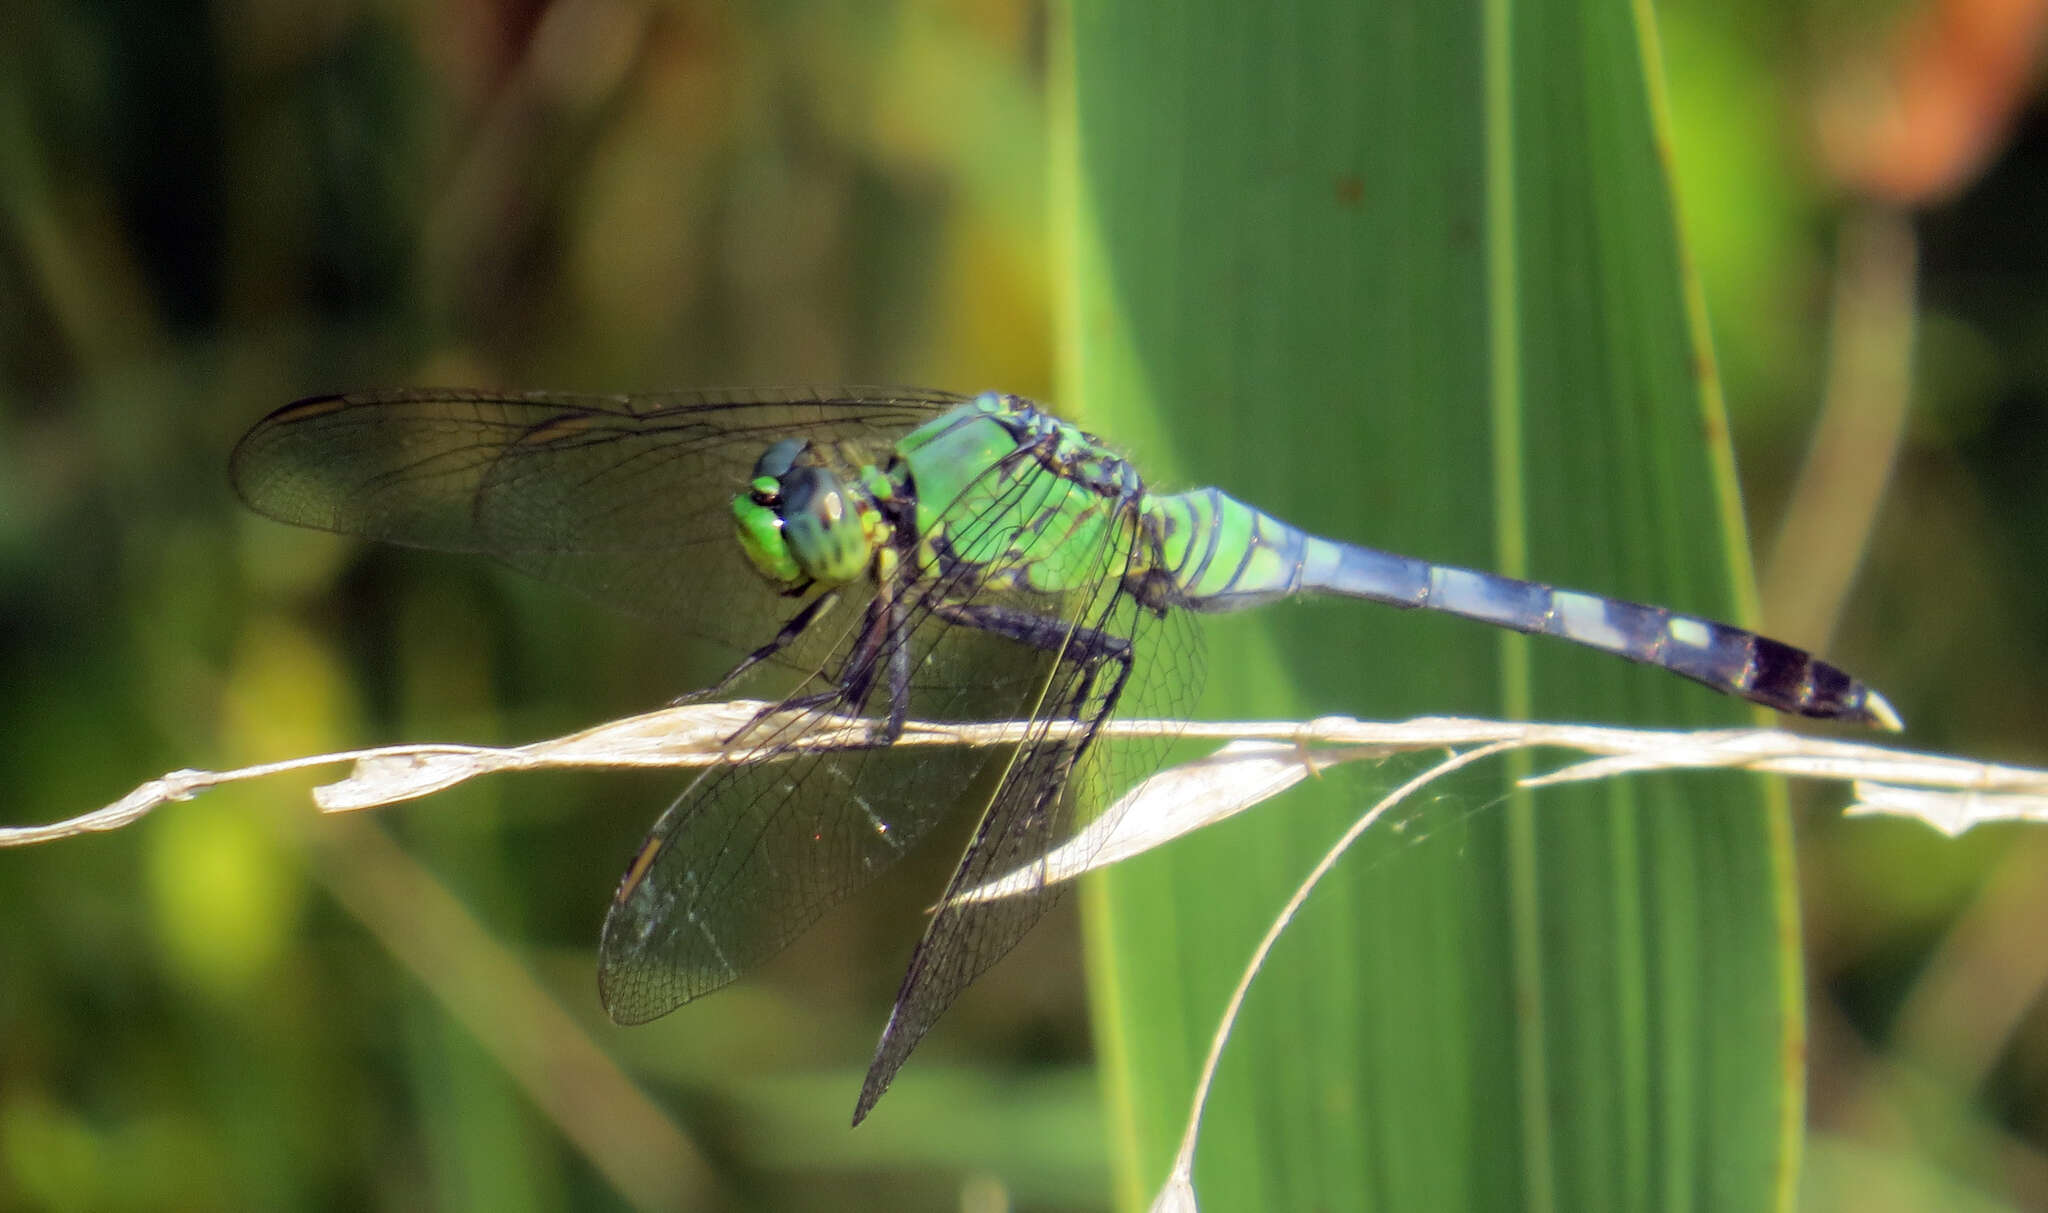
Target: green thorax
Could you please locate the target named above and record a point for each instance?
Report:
(1038, 503)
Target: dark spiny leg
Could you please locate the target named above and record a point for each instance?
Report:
(899, 675)
(1090, 648)
(857, 676)
(849, 690)
(796, 627)
(1047, 632)
(1118, 656)
(1122, 661)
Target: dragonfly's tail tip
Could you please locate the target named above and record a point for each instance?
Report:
(1879, 711)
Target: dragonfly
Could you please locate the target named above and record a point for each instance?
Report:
(890, 554)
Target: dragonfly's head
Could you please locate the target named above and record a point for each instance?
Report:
(799, 522)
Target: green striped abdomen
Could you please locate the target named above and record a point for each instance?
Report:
(1223, 555)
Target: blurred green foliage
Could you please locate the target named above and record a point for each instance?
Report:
(207, 211)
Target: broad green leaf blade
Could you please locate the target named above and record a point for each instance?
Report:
(1409, 274)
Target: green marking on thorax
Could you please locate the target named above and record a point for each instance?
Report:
(1048, 525)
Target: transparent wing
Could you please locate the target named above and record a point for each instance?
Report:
(626, 499)
(623, 498)
(1059, 778)
(750, 855)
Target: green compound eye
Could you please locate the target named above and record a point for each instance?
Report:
(819, 525)
(759, 530)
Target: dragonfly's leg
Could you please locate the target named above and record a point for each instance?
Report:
(797, 626)
(856, 679)
(1047, 632)
(857, 673)
(1122, 662)
(899, 673)
(1092, 648)
(847, 692)
(1095, 661)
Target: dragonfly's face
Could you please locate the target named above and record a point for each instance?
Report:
(799, 522)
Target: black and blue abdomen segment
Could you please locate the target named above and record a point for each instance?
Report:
(1224, 555)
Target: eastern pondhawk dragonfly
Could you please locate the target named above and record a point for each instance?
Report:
(889, 554)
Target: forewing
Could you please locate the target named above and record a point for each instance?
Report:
(624, 498)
